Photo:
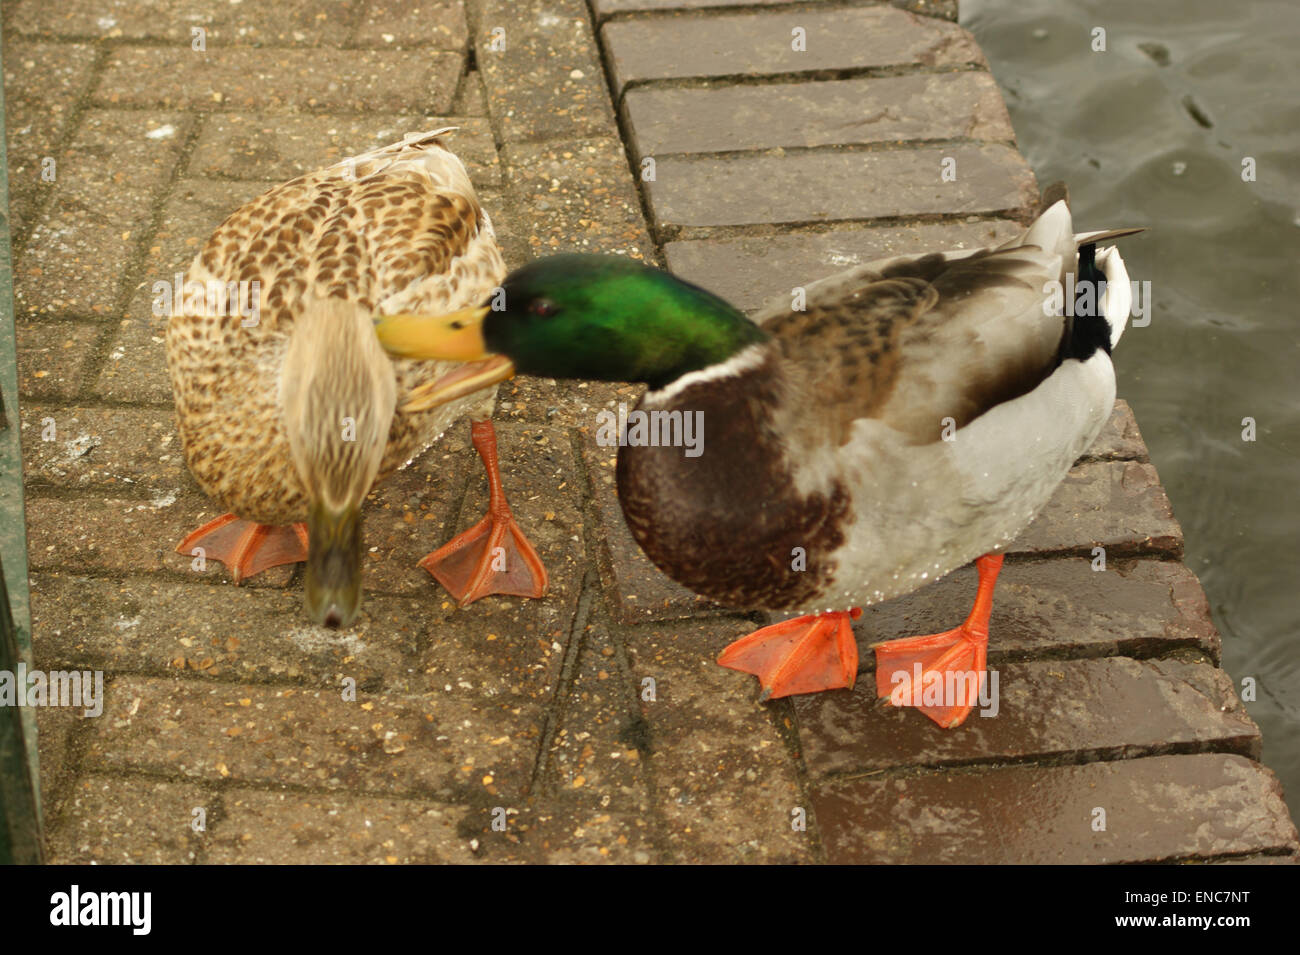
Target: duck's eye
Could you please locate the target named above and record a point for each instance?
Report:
(543, 307)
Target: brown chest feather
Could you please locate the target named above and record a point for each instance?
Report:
(729, 523)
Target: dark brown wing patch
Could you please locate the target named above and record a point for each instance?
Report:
(984, 343)
(922, 340)
(844, 355)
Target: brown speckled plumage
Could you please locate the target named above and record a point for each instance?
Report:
(398, 229)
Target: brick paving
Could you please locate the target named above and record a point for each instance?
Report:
(591, 725)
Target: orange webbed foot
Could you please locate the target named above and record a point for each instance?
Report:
(246, 547)
(941, 674)
(493, 556)
(801, 655)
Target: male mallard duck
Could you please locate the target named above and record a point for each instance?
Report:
(916, 414)
(288, 409)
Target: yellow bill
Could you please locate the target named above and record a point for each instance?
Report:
(456, 336)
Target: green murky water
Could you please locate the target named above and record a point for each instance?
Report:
(1154, 131)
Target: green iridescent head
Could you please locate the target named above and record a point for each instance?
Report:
(609, 318)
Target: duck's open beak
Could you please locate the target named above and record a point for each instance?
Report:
(457, 336)
(333, 585)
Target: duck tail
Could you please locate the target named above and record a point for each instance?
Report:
(1098, 318)
(1102, 302)
(1119, 295)
(1106, 266)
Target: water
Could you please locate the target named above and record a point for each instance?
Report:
(1142, 143)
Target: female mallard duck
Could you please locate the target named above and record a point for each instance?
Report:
(916, 414)
(288, 409)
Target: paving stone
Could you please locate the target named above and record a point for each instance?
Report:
(551, 517)
(279, 148)
(117, 161)
(593, 759)
(443, 493)
(135, 368)
(262, 828)
(471, 98)
(809, 187)
(147, 625)
(509, 224)
(761, 44)
(724, 782)
(1059, 608)
(458, 745)
(120, 819)
(243, 78)
(74, 261)
(636, 590)
(109, 178)
(1118, 505)
(308, 22)
(414, 512)
(1120, 439)
(94, 447)
(158, 626)
(99, 531)
(1067, 709)
(412, 23)
(507, 652)
(750, 271)
(572, 404)
(42, 82)
(193, 210)
(1163, 809)
(278, 828)
(1257, 860)
(607, 8)
(917, 107)
(55, 728)
(576, 196)
(52, 357)
(136, 450)
(560, 835)
(547, 82)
